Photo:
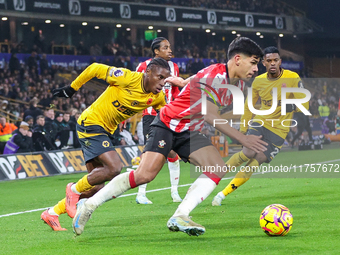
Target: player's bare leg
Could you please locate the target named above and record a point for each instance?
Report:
(151, 164)
(174, 171)
(205, 157)
(101, 169)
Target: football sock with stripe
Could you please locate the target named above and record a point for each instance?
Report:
(241, 177)
(198, 191)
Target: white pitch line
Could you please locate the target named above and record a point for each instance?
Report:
(155, 190)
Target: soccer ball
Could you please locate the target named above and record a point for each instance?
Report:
(135, 161)
(276, 220)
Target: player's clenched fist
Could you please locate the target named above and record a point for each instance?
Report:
(66, 91)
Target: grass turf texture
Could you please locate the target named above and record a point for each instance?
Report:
(123, 227)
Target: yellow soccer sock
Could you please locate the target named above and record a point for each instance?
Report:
(241, 177)
(83, 185)
(237, 159)
(60, 207)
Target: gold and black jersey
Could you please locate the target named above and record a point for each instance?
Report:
(262, 88)
(124, 97)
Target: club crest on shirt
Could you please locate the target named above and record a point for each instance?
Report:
(118, 73)
(105, 144)
(134, 103)
(161, 144)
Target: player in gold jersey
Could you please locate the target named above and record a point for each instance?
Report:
(273, 127)
(127, 94)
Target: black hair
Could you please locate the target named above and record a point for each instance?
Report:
(245, 46)
(158, 62)
(271, 49)
(156, 43)
(28, 118)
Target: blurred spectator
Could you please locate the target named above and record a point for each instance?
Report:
(49, 126)
(330, 123)
(41, 138)
(32, 61)
(81, 50)
(324, 109)
(21, 140)
(140, 133)
(189, 67)
(74, 115)
(126, 135)
(43, 64)
(127, 63)
(14, 64)
(95, 50)
(135, 64)
(303, 123)
(33, 111)
(62, 129)
(30, 120)
(39, 40)
(6, 130)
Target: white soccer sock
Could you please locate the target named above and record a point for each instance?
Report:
(198, 191)
(113, 189)
(74, 190)
(174, 171)
(52, 212)
(142, 190)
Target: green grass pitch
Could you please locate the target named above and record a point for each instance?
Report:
(123, 227)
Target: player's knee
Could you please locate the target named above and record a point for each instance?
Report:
(113, 171)
(172, 154)
(248, 152)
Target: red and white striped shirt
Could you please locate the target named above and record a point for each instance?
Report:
(171, 92)
(185, 112)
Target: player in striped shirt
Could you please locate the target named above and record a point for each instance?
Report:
(161, 49)
(177, 127)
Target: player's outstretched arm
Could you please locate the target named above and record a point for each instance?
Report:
(94, 70)
(250, 141)
(178, 81)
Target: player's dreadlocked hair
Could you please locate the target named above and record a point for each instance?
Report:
(271, 49)
(156, 43)
(158, 62)
(245, 46)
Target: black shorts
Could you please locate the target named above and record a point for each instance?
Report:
(274, 141)
(162, 140)
(94, 141)
(147, 120)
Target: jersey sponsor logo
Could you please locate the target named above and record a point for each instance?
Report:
(74, 7)
(161, 144)
(134, 103)
(105, 144)
(123, 109)
(149, 101)
(118, 73)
